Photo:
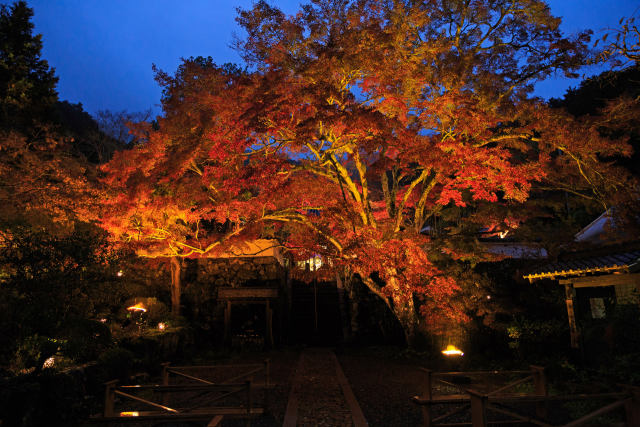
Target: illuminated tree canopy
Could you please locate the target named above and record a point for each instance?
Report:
(44, 178)
(379, 135)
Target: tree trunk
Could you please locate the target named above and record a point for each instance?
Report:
(402, 308)
(344, 319)
(176, 270)
(354, 309)
(405, 312)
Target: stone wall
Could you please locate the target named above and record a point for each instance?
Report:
(236, 272)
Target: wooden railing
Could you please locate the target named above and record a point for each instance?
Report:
(164, 412)
(196, 389)
(480, 403)
(254, 369)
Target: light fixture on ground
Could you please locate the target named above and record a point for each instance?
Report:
(137, 307)
(452, 350)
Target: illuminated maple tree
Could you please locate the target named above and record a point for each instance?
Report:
(168, 196)
(44, 178)
(377, 135)
(622, 44)
(43, 183)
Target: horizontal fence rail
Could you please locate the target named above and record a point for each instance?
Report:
(241, 386)
(478, 404)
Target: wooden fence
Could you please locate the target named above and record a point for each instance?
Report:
(478, 404)
(187, 395)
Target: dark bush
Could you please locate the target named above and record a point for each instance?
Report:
(47, 398)
(536, 339)
(625, 327)
(116, 363)
(33, 351)
(86, 339)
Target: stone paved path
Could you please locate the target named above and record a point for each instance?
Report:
(320, 393)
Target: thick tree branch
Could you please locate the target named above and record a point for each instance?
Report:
(400, 212)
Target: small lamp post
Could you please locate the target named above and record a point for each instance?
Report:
(138, 309)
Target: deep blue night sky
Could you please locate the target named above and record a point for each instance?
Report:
(103, 50)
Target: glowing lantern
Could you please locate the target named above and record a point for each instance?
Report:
(120, 273)
(130, 414)
(138, 307)
(452, 350)
(49, 362)
(161, 326)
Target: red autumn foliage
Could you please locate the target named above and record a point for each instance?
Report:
(362, 123)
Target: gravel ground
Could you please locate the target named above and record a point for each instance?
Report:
(283, 364)
(320, 398)
(383, 387)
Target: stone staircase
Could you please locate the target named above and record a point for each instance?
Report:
(315, 314)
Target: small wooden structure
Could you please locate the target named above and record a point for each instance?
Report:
(263, 296)
(237, 270)
(612, 275)
(480, 403)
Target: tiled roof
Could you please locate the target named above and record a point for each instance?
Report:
(594, 264)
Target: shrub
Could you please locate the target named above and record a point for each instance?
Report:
(116, 363)
(86, 339)
(531, 338)
(46, 398)
(33, 351)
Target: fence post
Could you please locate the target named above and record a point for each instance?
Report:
(267, 364)
(478, 409)
(570, 296)
(165, 381)
(540, 388)
(249, 402)
(632, 407)
(427, 394)
(109, 397)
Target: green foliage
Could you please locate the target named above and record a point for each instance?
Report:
(89, 140)
(602, 93)
(579, 408)
(532, 339)
(33, 351)
(156, 311)
(27, 83)
(46, 398)
(626, 324)
(45, 179)
(614, 347)
(50, 287)
(86, 339)
(593, 93)
(116, 363)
